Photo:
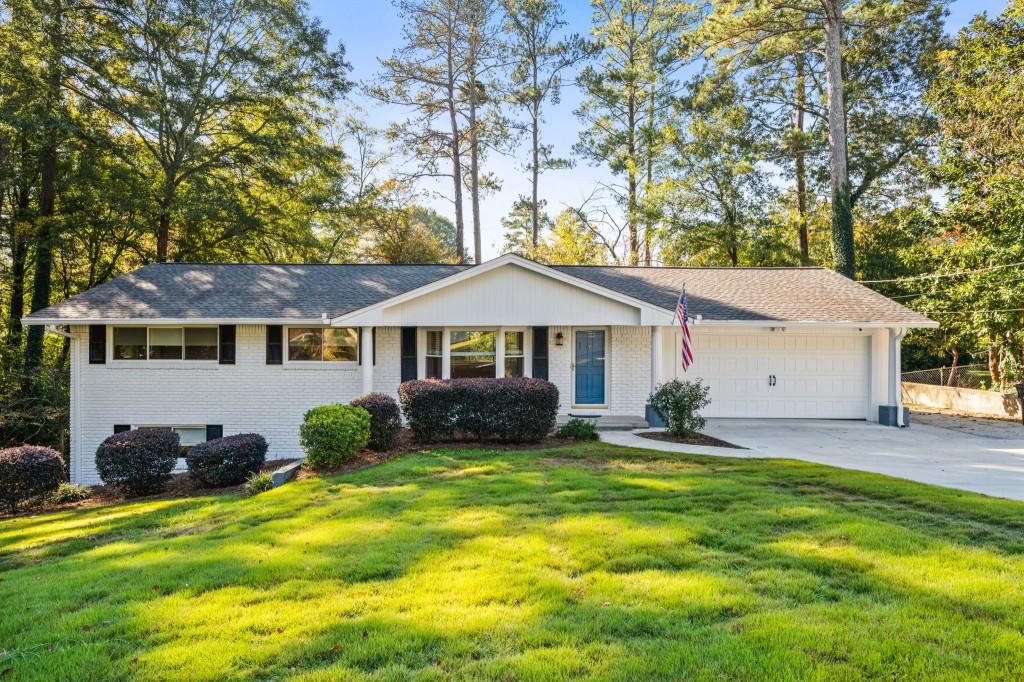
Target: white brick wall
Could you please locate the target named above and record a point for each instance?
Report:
(252, 396)
(249, 396)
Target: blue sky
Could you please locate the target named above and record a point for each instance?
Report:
(370, 29)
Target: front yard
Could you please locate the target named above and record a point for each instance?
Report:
(582, 561)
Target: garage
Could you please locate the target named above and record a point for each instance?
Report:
(782, 374)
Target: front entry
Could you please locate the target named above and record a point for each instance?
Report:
(590, 367)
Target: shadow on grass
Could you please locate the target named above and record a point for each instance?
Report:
(593, 562)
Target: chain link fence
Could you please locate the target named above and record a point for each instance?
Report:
(962, 376)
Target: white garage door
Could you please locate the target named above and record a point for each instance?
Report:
(782, 374)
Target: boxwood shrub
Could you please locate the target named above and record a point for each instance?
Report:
(28, 472)
(333, 434)
(518, 410)
(138, 462)
(385, 419)
(228, 460)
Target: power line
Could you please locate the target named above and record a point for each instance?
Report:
(939, 275)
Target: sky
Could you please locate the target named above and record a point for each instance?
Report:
(371, 30)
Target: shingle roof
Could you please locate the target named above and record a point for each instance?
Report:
(252, 291)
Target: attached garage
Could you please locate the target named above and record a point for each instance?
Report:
(782, 374)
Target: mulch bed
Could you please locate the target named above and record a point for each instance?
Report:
(696, 439)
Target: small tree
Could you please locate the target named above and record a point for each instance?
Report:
(679, 404)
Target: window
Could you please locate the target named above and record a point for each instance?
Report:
(515, 354)
(165, 343)
(472, 354)
(329, 344)
(187, 436)
(129, 343)
(434, 353)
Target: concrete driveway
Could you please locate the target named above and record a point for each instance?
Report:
(942, 452)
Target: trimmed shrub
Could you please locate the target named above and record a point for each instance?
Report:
(28, 472)
(257, 483)
(138, 462)
(578, 429)
(385, 419)
(228, 460)
(333, 434)
(66, 493)
(679, 404)
(517, 409)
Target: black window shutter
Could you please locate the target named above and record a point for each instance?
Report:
(540, 353)
(214, 431)
(274, 354)
(408, 353)
(121, 428)
(97, 344)
(227, 344)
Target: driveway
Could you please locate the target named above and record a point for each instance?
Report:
(947, 451)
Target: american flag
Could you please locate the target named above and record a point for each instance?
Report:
(683, 315)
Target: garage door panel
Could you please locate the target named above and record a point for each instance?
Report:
(816, 376)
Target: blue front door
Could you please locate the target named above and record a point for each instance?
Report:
(590, 367)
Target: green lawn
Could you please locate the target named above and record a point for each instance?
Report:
(589, 561)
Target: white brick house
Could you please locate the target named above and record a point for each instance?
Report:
(220, 349)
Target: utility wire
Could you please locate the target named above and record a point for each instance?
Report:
(939, 275)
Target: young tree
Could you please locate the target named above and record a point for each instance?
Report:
(539, 58)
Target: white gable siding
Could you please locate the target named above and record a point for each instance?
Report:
(509, 296)
(249, 396)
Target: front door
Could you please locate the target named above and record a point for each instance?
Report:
(590, 367)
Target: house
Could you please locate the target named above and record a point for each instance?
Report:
(230, 348)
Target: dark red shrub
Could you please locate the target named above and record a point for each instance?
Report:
(28, 472)
(228, 460)
(516, 409)
(385, 419)
(138, 462)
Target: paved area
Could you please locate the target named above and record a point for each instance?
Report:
(942, 452)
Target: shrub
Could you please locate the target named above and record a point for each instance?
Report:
(228, 460)
(66, 493)
(385, 419)
(28, 472)
(516, 409)
(259, 482)
(679, 404)
(578, 429)
(138, 462)
(333, 434)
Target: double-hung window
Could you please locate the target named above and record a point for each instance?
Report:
(515, 354)
(434, 353)
(323, 344)
(165, 343)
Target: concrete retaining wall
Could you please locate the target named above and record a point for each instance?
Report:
(965, 401)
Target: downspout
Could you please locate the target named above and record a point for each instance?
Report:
(896, 370)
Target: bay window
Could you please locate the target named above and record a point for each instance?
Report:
(327, 344)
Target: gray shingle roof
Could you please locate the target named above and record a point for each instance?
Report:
(244, 291)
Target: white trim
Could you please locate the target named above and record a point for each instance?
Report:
(607, 367)
(500, 261)
(172, 321)
(808, 323)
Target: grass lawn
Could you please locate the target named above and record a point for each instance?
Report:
(590, 561)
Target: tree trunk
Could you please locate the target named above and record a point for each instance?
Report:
(47, 190)
(952, 370)
(842, 213)
(535, 166)
(19, 251)
(993, 365)
(460, 230)
(634, 243)
(474, 171)
(800, 154)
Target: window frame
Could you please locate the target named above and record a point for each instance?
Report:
(113, 360)
(499, 348)
(337, 364)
